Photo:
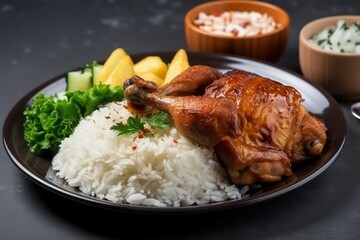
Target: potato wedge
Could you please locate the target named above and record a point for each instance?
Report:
(152, 64)
(123, 71)
(178, 64)
(110, 64)
(149, 76)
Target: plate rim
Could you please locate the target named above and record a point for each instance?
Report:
(228, 204)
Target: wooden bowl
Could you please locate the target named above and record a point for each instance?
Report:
(268, 47)
(338, 73)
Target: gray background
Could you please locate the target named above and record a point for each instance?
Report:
(41, 39)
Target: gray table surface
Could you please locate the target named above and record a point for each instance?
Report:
(41, 39)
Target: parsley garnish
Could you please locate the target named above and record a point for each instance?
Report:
(344, 26)
(321, 41)
(158, 120)
(135, 125)
(357, 25)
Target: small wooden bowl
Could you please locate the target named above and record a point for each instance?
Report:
(338, 73)
(268, 47)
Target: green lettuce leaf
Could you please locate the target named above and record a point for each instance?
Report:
(50, 120)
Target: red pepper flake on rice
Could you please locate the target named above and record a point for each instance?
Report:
(141, 134)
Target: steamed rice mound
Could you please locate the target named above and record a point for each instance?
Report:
(163, 170)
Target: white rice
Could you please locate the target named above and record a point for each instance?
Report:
(342, 38)
(164, 170)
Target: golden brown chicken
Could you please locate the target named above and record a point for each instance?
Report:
(257, 126)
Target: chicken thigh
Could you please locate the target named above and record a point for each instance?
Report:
(257, 126)
(278, 131)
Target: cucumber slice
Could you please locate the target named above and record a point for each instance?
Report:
(78, 81)
(87, 69)
(96, 74)
(84, 79)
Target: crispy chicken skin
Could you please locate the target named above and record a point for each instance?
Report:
(278, 130)
(203, 119)
(192, 81)
(257, 126)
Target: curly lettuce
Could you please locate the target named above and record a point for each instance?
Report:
(50, 120)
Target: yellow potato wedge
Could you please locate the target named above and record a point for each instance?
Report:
(123, 71)
(110, 64)
(152, 64)
(149, 76)
(178, 64)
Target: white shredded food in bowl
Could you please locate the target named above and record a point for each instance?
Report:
(342, 38)
(236, 23)
(163, 170)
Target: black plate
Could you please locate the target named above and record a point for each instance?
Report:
(317, 101)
